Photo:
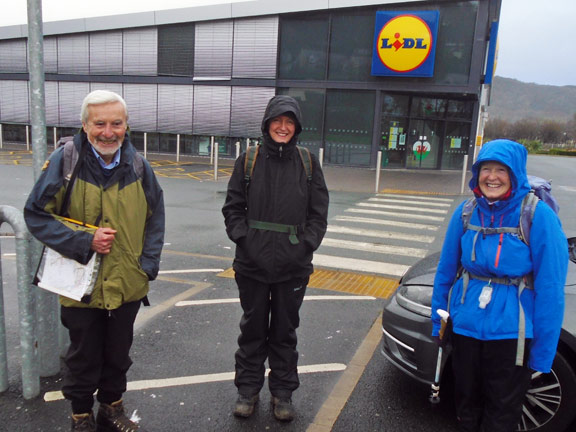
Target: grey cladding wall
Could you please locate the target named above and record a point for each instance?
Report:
(255, 47)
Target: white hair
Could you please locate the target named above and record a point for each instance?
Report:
(99, 97)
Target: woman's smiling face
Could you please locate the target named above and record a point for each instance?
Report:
(494, 180)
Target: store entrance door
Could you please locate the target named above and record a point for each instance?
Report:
(424, 144)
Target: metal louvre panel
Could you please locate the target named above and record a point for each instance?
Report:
(14, 101)
(106, 53)
(248, 105)
(51, 55)
(71, 95)
(175, 108)
(115, 87)
(140, 52)
(51, 95)
(13, 55)
(142, 102)
(213, 54)
(212, 110)
(73, 53)
(255, 48)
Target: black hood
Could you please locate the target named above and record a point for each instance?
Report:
(279, 105)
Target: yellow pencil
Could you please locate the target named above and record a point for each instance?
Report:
(79, 223)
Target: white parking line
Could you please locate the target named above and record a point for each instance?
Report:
(237, 300)
(405, 208)
(358, 265)
(375, 248)
(202, 379)
(379, 234)
(387, 222)
(403, 201)
(396, 214)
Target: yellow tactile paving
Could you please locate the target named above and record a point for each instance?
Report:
(351, 283)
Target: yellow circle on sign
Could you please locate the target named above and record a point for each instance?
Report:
(404, 43)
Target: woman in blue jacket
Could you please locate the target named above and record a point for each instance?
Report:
(497, 287)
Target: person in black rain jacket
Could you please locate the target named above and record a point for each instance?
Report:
(273, 266)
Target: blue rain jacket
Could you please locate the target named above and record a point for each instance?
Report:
(546, 258)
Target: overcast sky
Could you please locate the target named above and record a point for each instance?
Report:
(536, 40)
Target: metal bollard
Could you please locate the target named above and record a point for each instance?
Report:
(237, 149)
(26, 303)
(215, 147)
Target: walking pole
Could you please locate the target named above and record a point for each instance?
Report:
(435, 386)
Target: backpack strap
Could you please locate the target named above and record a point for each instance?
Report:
(306, 161)
(527, 211)
(467, 210)
(249, 162)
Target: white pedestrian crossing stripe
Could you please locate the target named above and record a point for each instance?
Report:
(396, 214)
(375, 248)
(396, 207)
(358, 265)
(412, 223)
(387, 222)
(380, 234)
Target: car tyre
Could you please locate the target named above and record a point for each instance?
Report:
(555, 393)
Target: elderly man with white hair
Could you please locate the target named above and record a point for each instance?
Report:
(101, 182)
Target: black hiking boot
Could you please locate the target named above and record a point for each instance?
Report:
(83, 422)
(111, 418)
(283, 409)
(245, 405)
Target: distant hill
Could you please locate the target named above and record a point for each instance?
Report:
(512, 100)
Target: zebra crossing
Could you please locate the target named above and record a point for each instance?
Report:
(384, 234)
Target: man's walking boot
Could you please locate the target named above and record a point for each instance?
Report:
(245, 405)
(83, 422)
(112, 418)
(283, 409)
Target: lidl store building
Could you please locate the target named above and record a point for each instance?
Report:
(409, 78)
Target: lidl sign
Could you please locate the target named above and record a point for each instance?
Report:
(405, 43)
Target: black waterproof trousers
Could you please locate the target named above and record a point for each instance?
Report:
(490, 388)
(98, 357)
(268, 330)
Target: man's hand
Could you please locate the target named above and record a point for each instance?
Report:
(103, 239)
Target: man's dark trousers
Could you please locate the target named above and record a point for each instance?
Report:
(98, 357)
(268, 330)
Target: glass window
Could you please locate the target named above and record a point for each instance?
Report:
(311, 103)
(428, 107)
(456, 145)
(351, 38)
(455, 41)
(303, 47)
(349, 126)
(395, 104)
(460, 109)
(176, 50)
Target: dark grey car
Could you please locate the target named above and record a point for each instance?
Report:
(407, 343)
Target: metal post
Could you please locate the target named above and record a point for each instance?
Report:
(464, 170)
(26, 302)
(378, 163)
(178, 148)
(211, 150)
(145, 144)
(215, 161)
(247, 143)
(55, 137)
(321, 157)
(28, 139)
(3, 351)
(237, 149)
(47, 312)
(1, 143)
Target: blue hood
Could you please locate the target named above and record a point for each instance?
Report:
(511, 154)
